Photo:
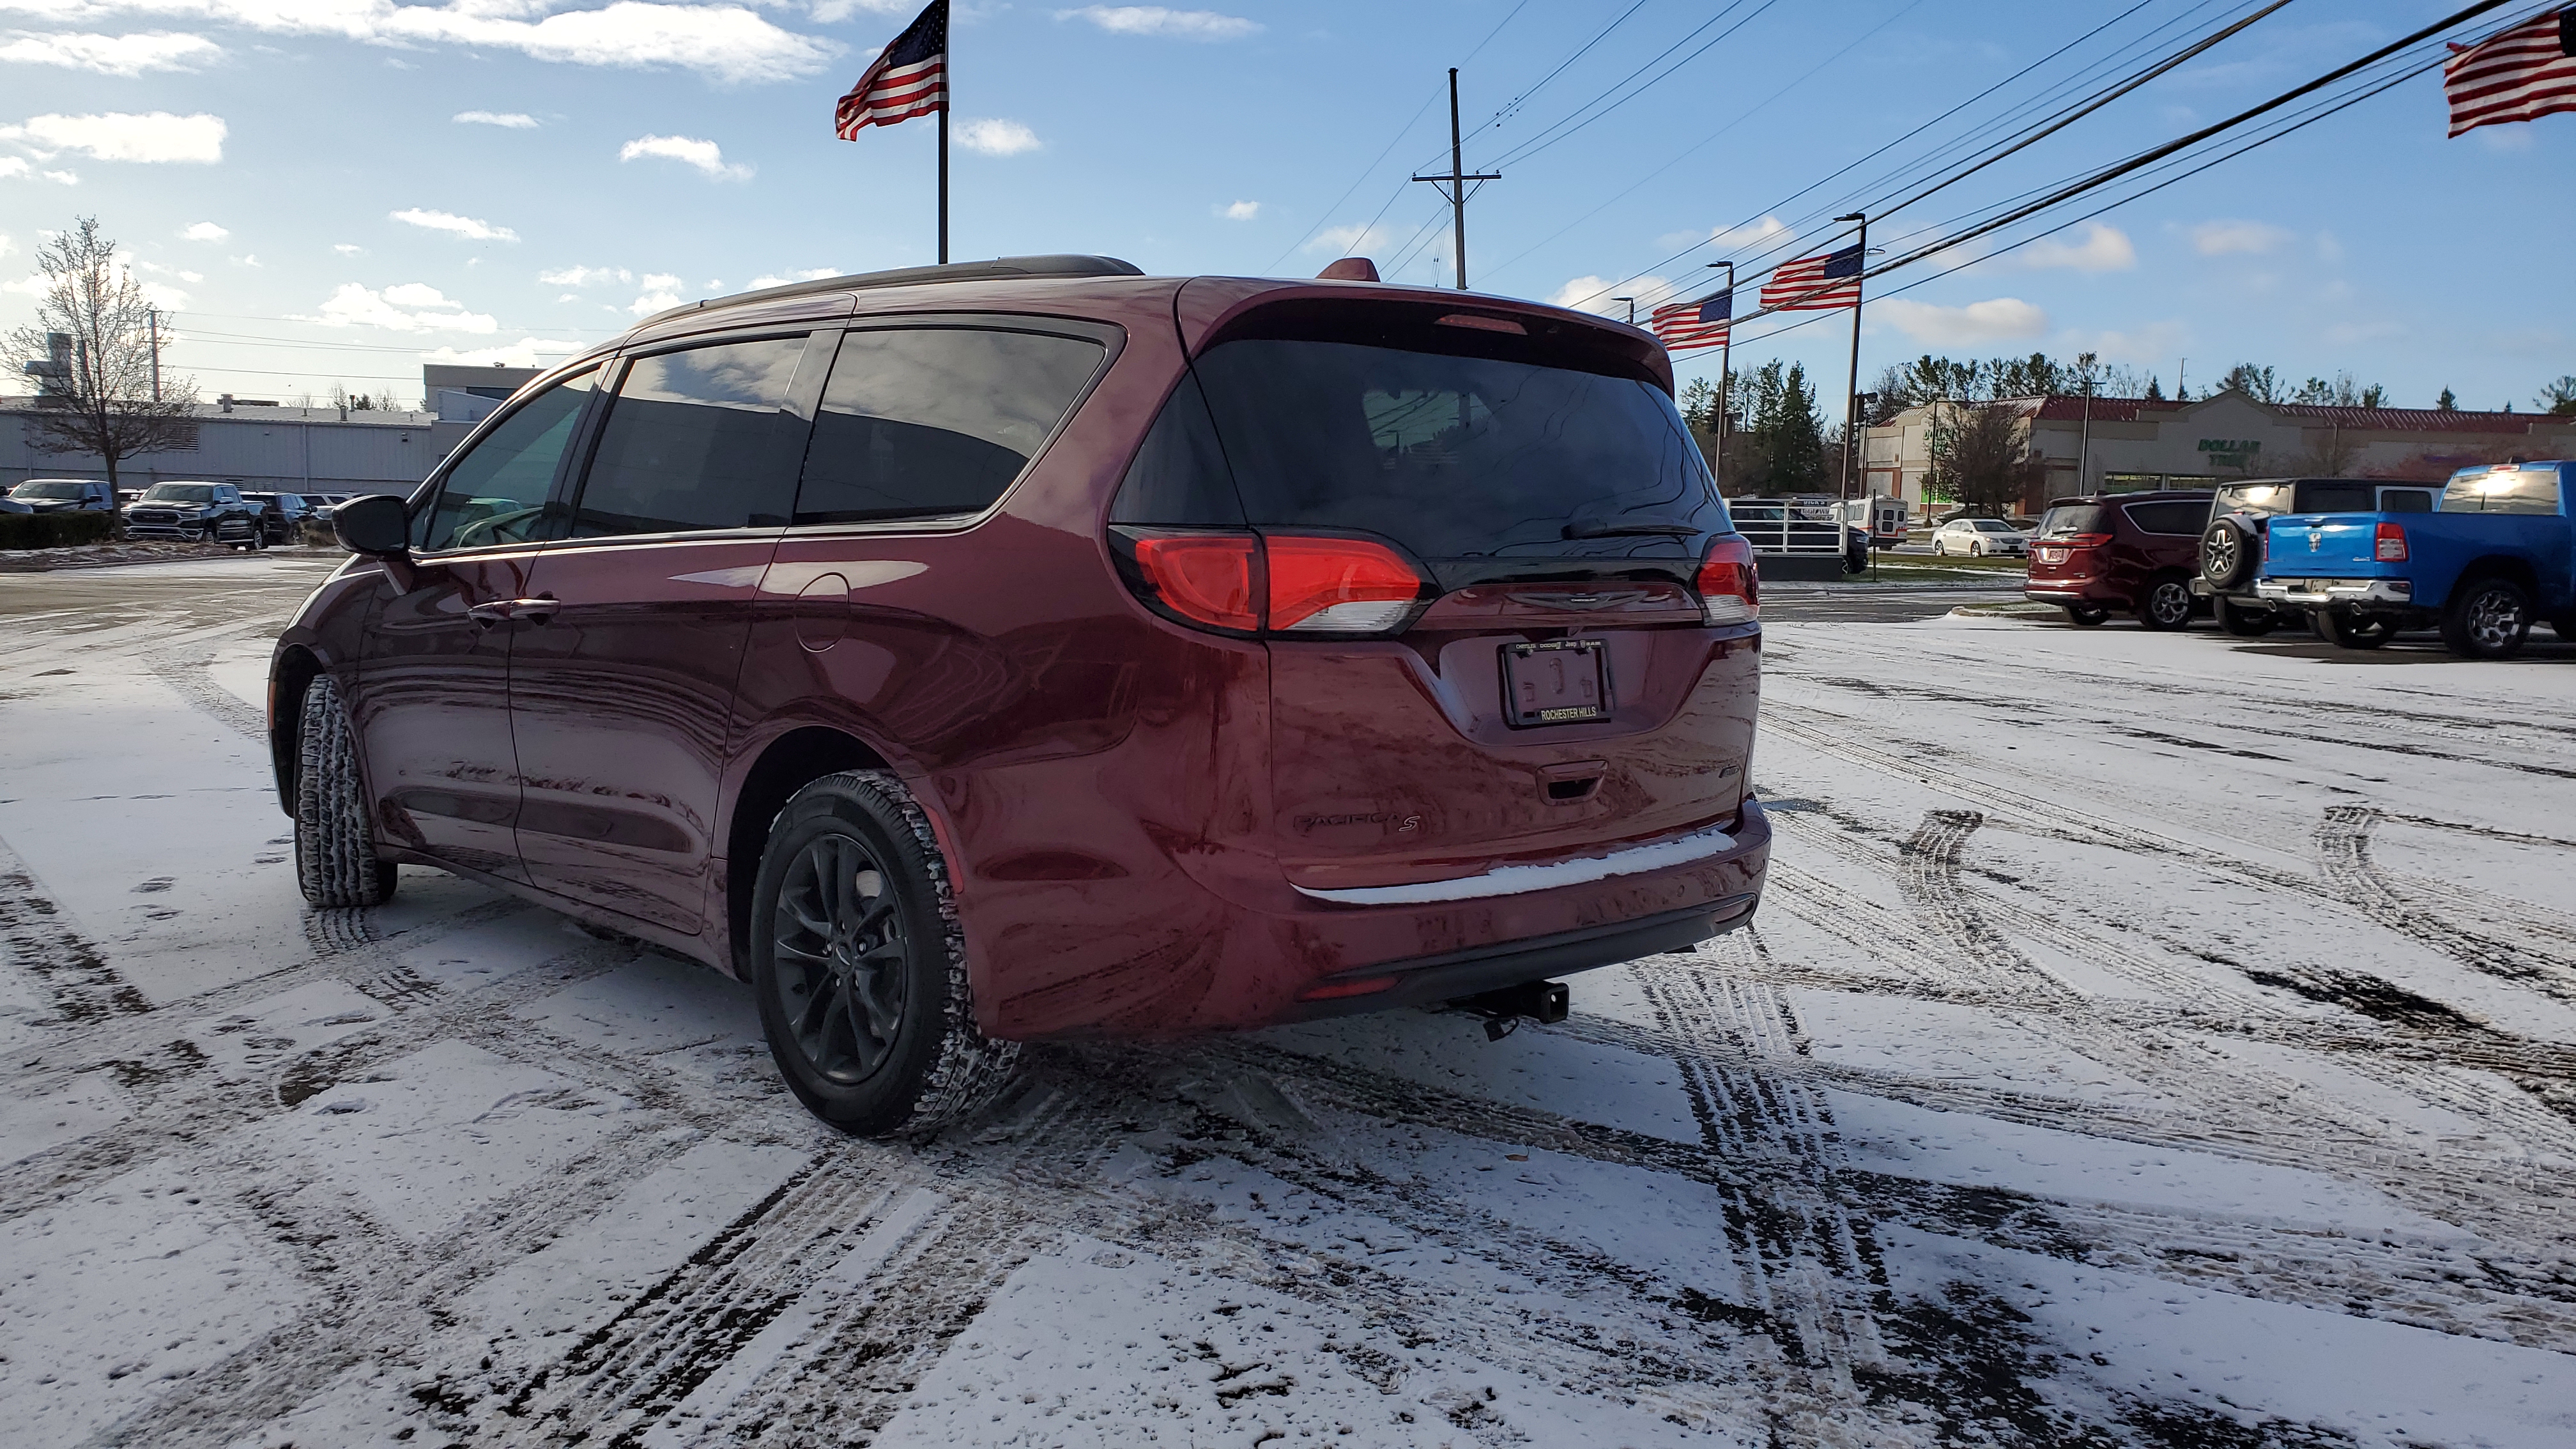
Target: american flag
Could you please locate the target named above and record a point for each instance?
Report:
(908, 78)
(2520, 74)
(1815, 284)
(1681, 326)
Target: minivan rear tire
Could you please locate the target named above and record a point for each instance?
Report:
(336, 864)
(2166, 604)
(2242, 622)
(862, 983)
(2085, 616)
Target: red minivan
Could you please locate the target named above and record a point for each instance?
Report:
(979, 654)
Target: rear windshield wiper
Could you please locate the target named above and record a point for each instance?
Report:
(1631, 530)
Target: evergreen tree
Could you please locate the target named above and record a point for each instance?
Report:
(2558, 399)
(2446, 402)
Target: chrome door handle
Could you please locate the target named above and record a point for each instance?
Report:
(501, 611)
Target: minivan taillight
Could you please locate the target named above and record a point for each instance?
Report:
(1283, 584)
(1203, 577)
(1339, 585)
(1730, 588)
(2391, 544)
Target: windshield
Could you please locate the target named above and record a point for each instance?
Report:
(1993, 525)
(179, 493)
(50, 490)
(2502, 490)
(2069, 519)
(1458, 456)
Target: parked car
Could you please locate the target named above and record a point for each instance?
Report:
(980, 654)
(2231, 546)
(2129, 551)
(282, 515)
(12, 505)
(2490, 559)
(62, 495)
(1978, 537)
(197, 512)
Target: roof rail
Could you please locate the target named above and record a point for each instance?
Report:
(1062, 264)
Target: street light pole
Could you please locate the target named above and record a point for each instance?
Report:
(1632, 308)
(1851, 407)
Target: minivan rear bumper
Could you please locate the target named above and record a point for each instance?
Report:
(1641, 901)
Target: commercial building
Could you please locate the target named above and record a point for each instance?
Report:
(2102, 444)
(265, 446)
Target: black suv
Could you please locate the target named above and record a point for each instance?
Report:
(2231, 546)
(281, 515)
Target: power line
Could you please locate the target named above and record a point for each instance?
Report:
(1570, 125)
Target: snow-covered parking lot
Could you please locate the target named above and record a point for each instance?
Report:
(2145, 1039)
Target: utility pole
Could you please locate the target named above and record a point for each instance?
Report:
(1851, 407)
(154, 313)
(1454, 185)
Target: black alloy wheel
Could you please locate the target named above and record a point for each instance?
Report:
(2242, 622)
(2346, 630)
(2085, 616)
(2487, 618)
(840, 947)
(2166, 604)
(859, 966)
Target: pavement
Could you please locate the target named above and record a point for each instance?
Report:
(2145, 1039)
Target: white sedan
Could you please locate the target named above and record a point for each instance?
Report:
(1977, 537)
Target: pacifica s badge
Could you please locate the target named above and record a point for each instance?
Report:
(1393, 822)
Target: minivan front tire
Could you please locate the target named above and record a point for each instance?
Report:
(335, 858)
(860, 968)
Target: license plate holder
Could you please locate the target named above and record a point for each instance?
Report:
(1559, 681)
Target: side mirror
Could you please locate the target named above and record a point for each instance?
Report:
(375, 526)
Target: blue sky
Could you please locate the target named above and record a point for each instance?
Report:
(327, 191)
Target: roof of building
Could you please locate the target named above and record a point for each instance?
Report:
(260, 412)
(2064, 408)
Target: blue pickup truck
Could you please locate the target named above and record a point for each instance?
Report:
(2492, 557)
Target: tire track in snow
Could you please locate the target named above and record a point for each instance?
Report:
(2343, 853)
(44, 947)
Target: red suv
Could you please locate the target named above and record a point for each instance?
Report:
(978, 654)
(2135, 552)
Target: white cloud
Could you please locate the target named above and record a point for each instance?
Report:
(117, 136)
(15, 166)
(1592, 294)
(1157, 20)
(2219, 238)
(526, 352)
(1763, 233)
(833, 12)
(348, 249)
(723, 40)
(811, 274)
(513, 120)
(707, 156)
(996, 137)
(584, 276)
(204, 231)
(1994, 320)
(2102, 249)
(125, 55)
(1240, 211)
(470, 228)
(1351, 241)
(661, 293)
(406, 307)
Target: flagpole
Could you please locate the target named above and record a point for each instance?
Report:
(946, 79)
(1725, 373)
(1851, 402)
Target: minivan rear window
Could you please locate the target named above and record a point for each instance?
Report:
(1457, 456)
(2069, 519)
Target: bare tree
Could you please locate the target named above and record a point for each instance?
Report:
(98, 394)
(1985, 459)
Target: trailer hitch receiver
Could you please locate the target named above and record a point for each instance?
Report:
(1503, 1010)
